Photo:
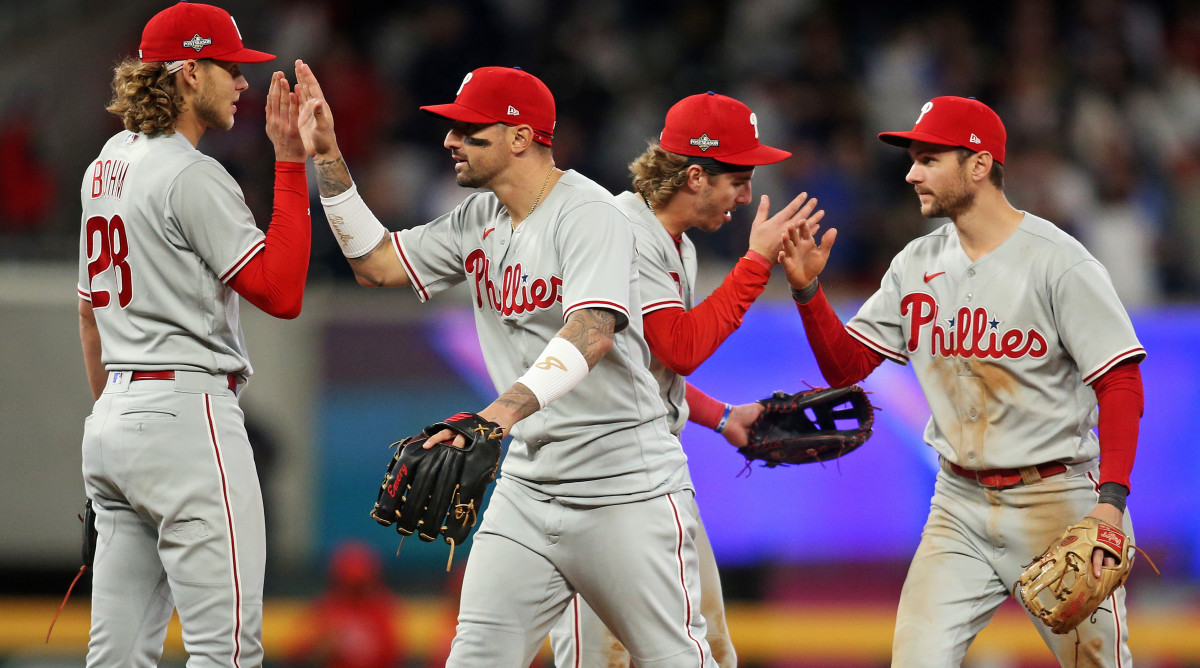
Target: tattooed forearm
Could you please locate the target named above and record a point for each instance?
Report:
(519, 400)
(591, 331)
(333, 177)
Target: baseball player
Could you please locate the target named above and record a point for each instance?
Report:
(698, 172)
(1015, 334)
(166, 246)
(595, 497)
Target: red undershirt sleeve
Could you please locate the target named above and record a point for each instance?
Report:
(273, 280)
(703, 409)
(682, 340)
(843, 360)
(1119, 393)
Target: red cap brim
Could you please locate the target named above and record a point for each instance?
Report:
(457, 112)
(247, 56)
(759, 155)
(905, 139)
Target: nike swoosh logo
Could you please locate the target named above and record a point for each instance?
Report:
(490, 230)
(930, 277)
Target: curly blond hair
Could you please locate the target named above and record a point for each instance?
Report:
(658, 173)
(146, 97)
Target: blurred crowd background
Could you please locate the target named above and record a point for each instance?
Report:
(1101, 99)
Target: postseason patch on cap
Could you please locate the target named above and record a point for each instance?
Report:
(703, 142)
(197, 42)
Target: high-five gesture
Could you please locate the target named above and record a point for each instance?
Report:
(282, 120)
(766, 234)
(802, 259)
(316, 120)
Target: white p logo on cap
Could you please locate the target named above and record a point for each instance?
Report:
(754, 122)
(464, 83)
(928, 106)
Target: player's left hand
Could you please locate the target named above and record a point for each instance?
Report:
(283, 127)
(1111, 514)
(492, 413)
(766, 234)
(316, 118)
(802, 259)
(737, 428)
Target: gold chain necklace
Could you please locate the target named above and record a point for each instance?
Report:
(537, 200)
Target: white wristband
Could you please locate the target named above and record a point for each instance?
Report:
(559, 368)
(356, 229)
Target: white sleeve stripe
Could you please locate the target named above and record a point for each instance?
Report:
(83, 294)
(882, 350)
(1132, 352)
(237, 266)
(595, 303)
(659, 305)
(418, 285)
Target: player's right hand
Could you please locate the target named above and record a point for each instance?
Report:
(282, 116)
(766, 234)
(315, 117)
(801, 257)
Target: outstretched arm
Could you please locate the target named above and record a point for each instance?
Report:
(732, 422)
(363, 239)
(683, 339)
(273, 280)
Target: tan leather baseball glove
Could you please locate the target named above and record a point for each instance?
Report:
(1060, 587)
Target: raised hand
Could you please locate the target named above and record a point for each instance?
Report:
(315, 117)
(766, 234)
(801, 257)
(283, 120)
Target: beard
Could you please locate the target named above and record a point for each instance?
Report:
(951, 203)
(212, 111)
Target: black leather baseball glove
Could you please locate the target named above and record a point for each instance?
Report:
(440, 490)
(811, 426)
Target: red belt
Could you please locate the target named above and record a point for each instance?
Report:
(170, 375)
(1005, 478)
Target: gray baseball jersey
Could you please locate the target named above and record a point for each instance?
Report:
(668, 273)
(1003, 347)
(606, 441)
(164, 226)
(166, 459)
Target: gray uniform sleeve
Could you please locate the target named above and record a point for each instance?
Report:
(1092, 324)
(207, 213)
(596, 253)
(432, 253)
(659, 289)
(879, 324)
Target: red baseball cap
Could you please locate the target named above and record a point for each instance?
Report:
(190, 30)
(715, 126)
(507, 95)
(955, 121)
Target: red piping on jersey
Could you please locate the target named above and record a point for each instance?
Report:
(422, 293)
(271, 275)
(242, 261)
(86, 296)
(841, 356)
(596, 303)
(578, 631)
(662, 303)
(237, 585)
(1116, 626)
(876, 346)
(687, 623)
(1113, 362)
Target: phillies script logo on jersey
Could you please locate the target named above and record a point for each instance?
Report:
(517, 292)
(970, 333)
